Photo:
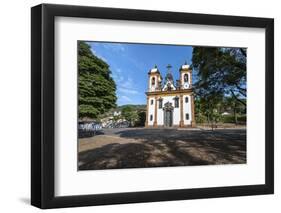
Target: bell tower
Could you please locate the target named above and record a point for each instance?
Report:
(185, 76)
(154, 80)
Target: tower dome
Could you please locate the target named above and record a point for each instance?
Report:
(185, 66)
(154, 70)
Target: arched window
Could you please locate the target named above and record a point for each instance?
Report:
(153, 81)
(160, 103)
(185, 78)
(186, 99)
(176, 102)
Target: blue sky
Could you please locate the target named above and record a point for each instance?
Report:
(130, 63)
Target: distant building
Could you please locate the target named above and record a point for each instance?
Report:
(169, 103)
(116, 113)
(225, 113)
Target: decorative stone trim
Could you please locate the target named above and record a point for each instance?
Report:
(155, 113)
(147, 111)
(181, 111)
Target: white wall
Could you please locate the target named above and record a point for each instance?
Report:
(15, 105)
(151, 109)
(187, 109)
(160, 114)
(176, 112)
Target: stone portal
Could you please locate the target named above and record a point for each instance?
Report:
(168, 114)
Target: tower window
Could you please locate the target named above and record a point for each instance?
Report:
(151, 117)
(185, 78)
(176, 102)
(160, 103)
(186, 99)
(187, 116)
(151, 102)
(153, 81)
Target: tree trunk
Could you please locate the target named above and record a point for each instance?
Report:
(235, 116)
(212, 121)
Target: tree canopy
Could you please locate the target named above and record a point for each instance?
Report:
(130, 114)
(221, 81)
(221, 72)
(97, 89)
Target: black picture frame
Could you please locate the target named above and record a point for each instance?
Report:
(43, 102)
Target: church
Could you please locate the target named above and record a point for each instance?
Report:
(169, 103)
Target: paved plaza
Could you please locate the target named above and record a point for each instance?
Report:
(141, 147)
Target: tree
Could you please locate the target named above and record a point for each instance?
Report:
(96, 86)
(208, 109)
(231, 102)
(130, 114)
(141, 117)
(221, 71)
(200, 110)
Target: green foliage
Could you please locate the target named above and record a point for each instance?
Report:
(141, 118)
(96, 86)
(200, 118)
(130, 114)
(134, 106)
(212, 111)
(231, 119)
(221, 82)
(117, 117)
(220, 71)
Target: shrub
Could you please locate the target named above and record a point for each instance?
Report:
(231, 118)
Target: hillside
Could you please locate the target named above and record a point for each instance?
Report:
(137, 107)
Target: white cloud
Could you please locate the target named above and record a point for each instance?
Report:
(125, 98)
(138, 65)
(129, 84)
(116, 47)
(102, 58)
(118, 78)
(128, 91)
(98, 55)
(124, 85)
(119, 48)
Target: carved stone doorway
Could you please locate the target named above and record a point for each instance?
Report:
(168, 114)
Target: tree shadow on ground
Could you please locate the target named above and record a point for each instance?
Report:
(89, 134)
(168, 147)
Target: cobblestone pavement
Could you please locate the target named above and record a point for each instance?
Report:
(141, 147)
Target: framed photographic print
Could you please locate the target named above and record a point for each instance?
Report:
(139, 106)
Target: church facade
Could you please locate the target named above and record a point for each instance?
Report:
(169, 103)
